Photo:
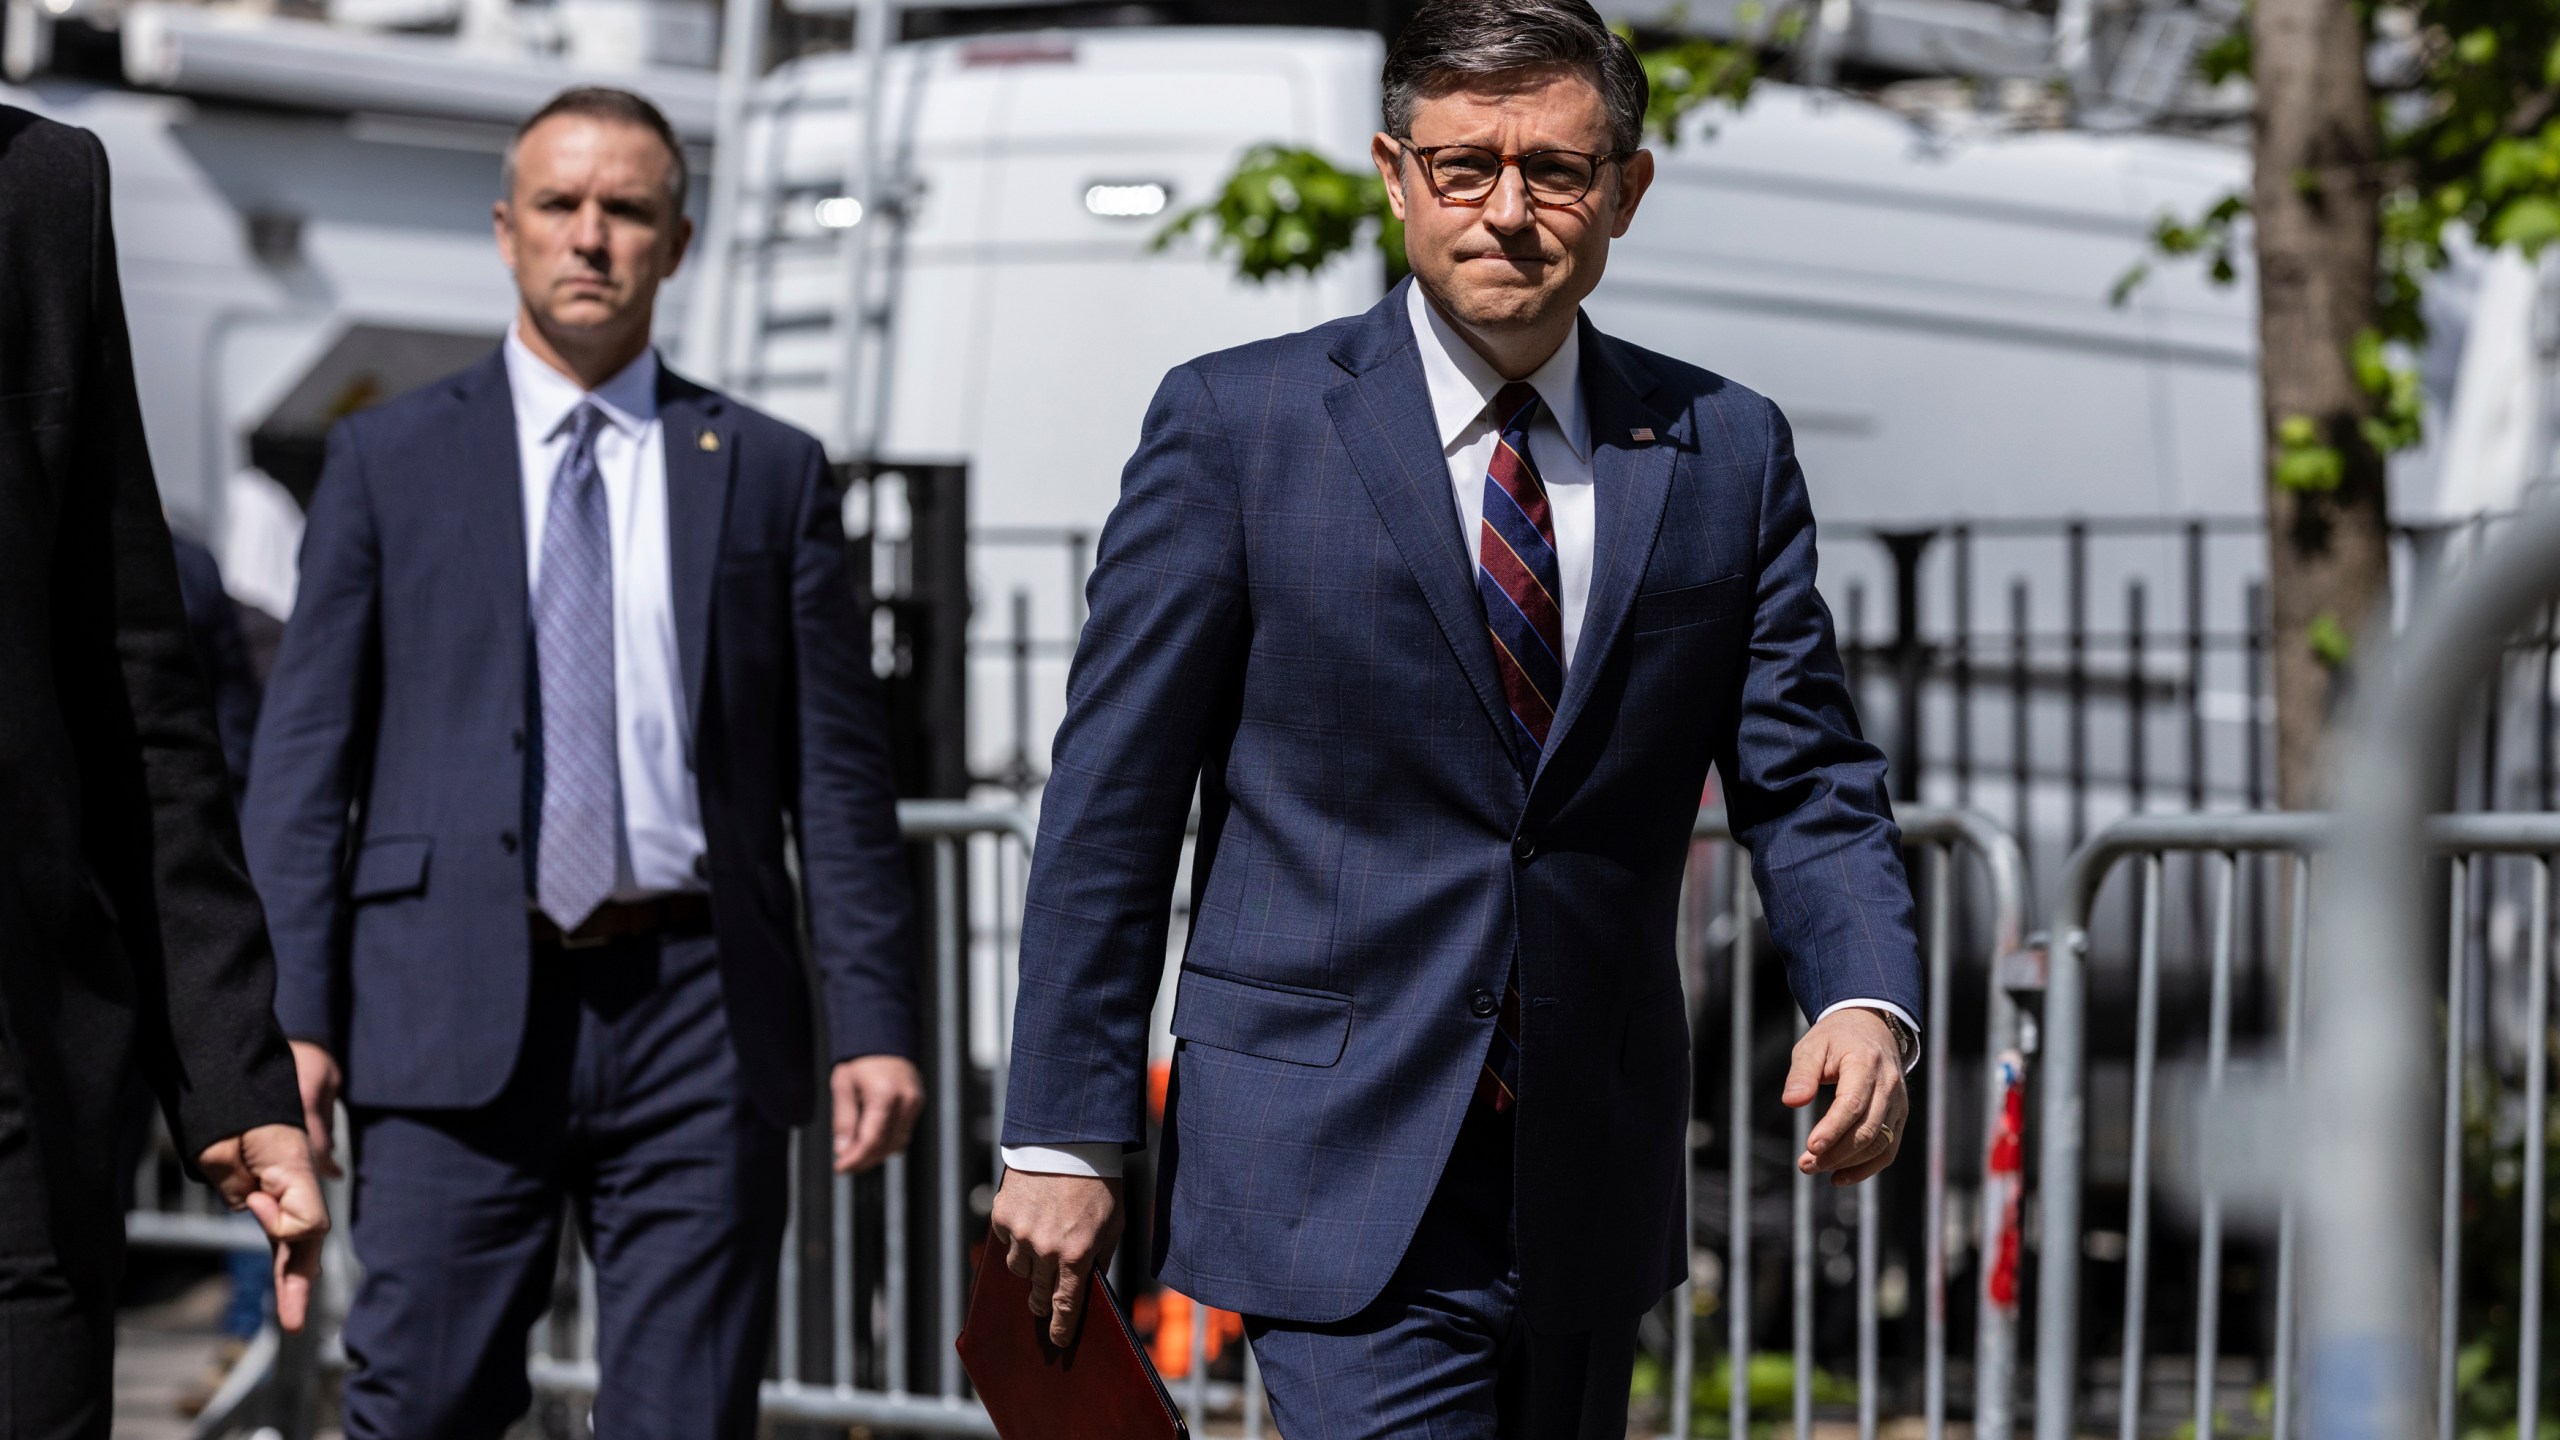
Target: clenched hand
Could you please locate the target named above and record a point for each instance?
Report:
(267, 1172)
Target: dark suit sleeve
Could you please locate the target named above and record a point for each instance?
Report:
(1157, 665)
(861, 916)
(314, 739)
(1805, 789)
(204, 976)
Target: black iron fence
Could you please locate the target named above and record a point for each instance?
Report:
(2057, 674)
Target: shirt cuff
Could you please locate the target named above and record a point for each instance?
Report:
(1889, 1008)
(1099, 1159)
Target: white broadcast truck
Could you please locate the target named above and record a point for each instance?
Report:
(303, 211)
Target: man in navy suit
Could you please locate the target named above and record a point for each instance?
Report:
(574, 644)
(1444, 611)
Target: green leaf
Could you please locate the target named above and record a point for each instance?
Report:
(2400, 423)
(2211, 234)
(2508, 165)
(2477, 48)
(2329, 642)
(2373, 372)
(1691, 74)
(2304, 463)
(1289, 211)
(2130, 281)
(2232, 56)
(2311, 470)
(2551, 65)
(2528, 223)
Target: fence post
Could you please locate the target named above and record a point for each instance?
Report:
(1910, 658)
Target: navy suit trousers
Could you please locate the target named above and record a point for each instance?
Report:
(1444, 1353)
(627, 1103)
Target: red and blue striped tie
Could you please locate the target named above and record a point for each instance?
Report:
(1516, 577)
(1517, 581)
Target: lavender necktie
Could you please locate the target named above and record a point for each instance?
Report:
(573, 648)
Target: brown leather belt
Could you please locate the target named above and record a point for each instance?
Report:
(681, 914)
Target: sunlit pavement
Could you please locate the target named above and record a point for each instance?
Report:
(162, 1352)
(165, 1350)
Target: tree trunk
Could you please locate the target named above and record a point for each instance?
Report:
(2315, 198)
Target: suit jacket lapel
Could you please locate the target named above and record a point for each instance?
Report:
(701, 451)
(1633, 481)
(490, 474)
(1383, 414)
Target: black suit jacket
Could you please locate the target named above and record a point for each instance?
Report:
(396, 772)
(127, 923)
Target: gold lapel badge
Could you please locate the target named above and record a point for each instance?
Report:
(710, 440)
(1642, 435)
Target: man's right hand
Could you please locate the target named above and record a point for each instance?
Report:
(1056, 1229)
(317, 1069)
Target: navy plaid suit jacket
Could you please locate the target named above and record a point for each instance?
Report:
(1283, 616)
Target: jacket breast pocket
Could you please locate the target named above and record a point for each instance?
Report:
(1690, 605)
(390, 866)
(1301, 1027)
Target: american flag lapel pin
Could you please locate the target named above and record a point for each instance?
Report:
(1642, 435)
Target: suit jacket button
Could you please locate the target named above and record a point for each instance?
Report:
(517, 740)
(1483, 1003)
(1522, 847)
(507, 841)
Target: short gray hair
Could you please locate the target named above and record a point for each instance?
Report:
(1448, 42)
(604, 102)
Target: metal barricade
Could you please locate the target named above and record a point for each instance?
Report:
(964, 843)
(2222, 845)
(1004, 838)
(1939, 834)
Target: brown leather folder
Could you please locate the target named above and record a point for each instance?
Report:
(1101, 1387)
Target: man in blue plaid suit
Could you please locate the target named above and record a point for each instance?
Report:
(1444, 611)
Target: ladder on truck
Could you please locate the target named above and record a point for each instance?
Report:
(800, 285)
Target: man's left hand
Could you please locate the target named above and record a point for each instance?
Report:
(1852, 1050)
(877, 1100)
(267, 1172)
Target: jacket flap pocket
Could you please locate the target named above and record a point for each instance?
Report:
(1670, 609)
(392, 865)
(1302, 1027)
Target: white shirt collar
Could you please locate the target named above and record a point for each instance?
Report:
(1463, 382)
(545, 398)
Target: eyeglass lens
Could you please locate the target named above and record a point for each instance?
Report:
(1558, 177)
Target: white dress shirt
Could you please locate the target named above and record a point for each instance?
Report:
(1463, 384)
(661, 833)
